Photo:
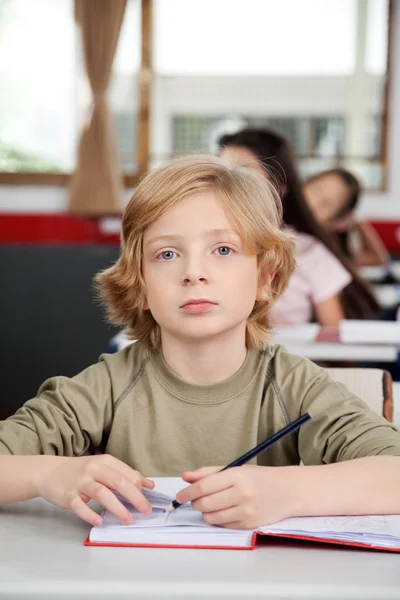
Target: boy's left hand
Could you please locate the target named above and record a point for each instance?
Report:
(242, 497)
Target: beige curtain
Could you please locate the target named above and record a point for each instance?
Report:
(96, 183)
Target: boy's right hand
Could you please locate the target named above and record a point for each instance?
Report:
(72, 482)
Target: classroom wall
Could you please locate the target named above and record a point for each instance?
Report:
(379, 205)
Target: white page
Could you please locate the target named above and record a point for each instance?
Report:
(183, 516)
(164, 492)
(183, 536)
(160, 497)
(376, 525)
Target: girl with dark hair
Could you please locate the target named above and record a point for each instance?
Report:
(333, 196)
(325, 286)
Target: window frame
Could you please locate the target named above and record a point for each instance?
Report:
(143, 127)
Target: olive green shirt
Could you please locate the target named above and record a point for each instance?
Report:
(133, 406)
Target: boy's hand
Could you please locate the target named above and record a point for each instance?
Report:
(72, 482)
(241, 497)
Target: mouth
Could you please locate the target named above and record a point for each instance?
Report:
(197, 305)
(195, 301)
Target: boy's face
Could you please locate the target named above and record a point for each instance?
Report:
(200, 281)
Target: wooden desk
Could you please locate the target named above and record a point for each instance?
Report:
(42, 556)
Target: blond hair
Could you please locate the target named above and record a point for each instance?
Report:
(254, 209)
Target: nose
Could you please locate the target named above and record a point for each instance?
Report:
(193, 272)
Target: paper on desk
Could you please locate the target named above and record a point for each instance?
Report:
(375, 524)
(305, 333)
(183, 516)
(373, 332)
(163, 493)
(375, 530)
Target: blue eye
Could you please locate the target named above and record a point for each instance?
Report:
(167, 255)
(224, 250)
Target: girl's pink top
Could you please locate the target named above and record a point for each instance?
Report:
(319, 275)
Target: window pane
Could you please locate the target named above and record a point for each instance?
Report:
(193, 133)
(309, 137)
(377, 36)
(38, 92)
(312, 69)
(236, 37)
(123, 92)
(45, 96)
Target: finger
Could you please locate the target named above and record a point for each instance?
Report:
(108, 499)
(235, 525)
(125, 487)
(192, 476)
(130, 473)
(147, 483)
(218, 501)
(207, 485)
(221, 517)
(78, 506)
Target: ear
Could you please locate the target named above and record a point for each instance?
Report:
(264, 286)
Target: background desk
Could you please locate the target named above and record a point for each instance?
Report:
(379, 273)
(42, 556)
(388, 295)
(322, 351)
(314, 350)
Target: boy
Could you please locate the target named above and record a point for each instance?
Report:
(203, 258)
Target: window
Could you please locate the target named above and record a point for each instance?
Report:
(321, 83)
(38, 129)
(124, 87)
(45, 95)
(245, 37)
(309, 137)
(315, 71)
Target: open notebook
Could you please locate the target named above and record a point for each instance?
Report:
(186, 527)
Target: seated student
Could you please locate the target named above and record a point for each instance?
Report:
(203, 258)
(333, 197)
(325, 285)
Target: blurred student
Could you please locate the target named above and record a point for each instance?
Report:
(333, 196)
(325, 285)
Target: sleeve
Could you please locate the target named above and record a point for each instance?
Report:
(325, 273)
(342, 426)
(67, 418)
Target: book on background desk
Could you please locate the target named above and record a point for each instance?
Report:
(185, 528)
(305, 333)
(369, 332)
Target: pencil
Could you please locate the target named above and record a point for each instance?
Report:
(255, 451)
